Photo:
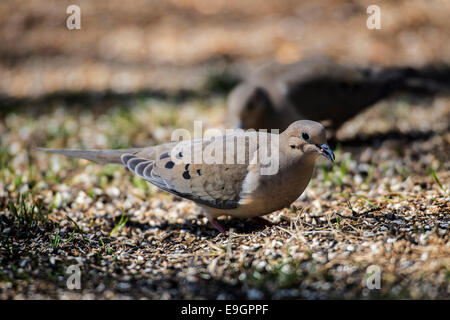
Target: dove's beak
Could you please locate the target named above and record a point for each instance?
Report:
(326, 151)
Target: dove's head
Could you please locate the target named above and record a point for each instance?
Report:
(307, 137)
(250, 107)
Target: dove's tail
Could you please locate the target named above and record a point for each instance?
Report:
(100, 156)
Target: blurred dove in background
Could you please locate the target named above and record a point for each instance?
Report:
(237, 189)
(322, 90)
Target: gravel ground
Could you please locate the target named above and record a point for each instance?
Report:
(379, 204)
(385, 201)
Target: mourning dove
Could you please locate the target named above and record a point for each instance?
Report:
(320, 89)
(243, 185)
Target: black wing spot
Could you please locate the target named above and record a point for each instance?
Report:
(169, 165)
(186, 175)
(180, 155)
(186, 167)
(199, 172)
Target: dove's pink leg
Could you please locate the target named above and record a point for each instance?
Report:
(262, 221)
(216, 224)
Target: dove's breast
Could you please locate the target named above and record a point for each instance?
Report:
(264, 194)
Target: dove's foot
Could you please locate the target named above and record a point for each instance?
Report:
(262, 221)
(217, 225)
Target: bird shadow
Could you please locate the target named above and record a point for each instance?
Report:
(215, 83)
(237, 226)
(96, 101)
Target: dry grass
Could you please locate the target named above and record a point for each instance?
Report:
(385, 202)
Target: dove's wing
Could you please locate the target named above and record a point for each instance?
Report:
(178, 168)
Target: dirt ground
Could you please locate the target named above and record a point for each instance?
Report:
(133, 74)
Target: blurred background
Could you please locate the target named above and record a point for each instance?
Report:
(139, 69)
(174, 44)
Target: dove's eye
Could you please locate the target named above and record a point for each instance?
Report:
(305, 136)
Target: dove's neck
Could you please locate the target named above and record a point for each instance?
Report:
(299, 172)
